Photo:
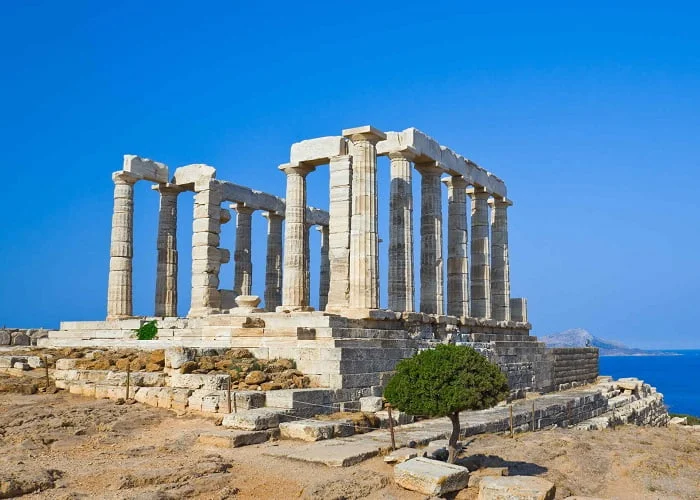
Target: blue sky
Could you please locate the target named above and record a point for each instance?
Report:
(589, 112)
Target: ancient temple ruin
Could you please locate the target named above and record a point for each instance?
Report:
(350, 343)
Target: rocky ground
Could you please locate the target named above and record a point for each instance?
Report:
(61, 446)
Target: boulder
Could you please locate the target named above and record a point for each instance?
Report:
(188, 367)
(430, 477)
(157, 357)
(175, 357)
(5, 337)
(371, 404)
(255, 377)
(521, 487)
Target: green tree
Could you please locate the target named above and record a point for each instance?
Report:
(444, 381)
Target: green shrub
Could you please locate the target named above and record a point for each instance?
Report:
(147, 331)
(444, 381)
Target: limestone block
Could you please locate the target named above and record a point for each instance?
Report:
(247, 400)
(232, 438)
(21, 365)
(399, 418)
(253, 420)
(306, 430)
(21, 339)
(35, 362)
(144, 168)
(425, 146)
(476, 476)
(401, 455)
(521, 487)
(371, 404)
(5, 337)
(431, 477)
(190, 174)
(175, 357)
(317, 151)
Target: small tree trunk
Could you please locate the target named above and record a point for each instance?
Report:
(452, 445)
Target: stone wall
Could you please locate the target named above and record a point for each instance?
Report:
(22, 336)
(572, 366)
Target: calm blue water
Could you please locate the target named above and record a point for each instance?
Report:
(676, 377)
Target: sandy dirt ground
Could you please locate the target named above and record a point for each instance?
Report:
(72, 448)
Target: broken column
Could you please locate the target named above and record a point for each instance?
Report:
(294, 275)
(119, 288)
(273, 267)
(166, 270)
(500, 266)
(481, 264)
(243, 273)
(401, 281)
(207, 257)
(457, 260)
(364, 238)
(325, 274)
(339, 231)
(431, 269)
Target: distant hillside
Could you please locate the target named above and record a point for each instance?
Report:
(578, 337)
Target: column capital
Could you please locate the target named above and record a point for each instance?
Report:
(365, 133)
(272, 215)
(430, 168)
(168, 188)
(478, 192)
(455, 181)
(405, 153)
(322, 229)
(499, 201)
(296, 169)
(241, 208)
(123, 177)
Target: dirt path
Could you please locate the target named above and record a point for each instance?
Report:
(80, 448)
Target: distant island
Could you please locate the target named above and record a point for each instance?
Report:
(578, 337)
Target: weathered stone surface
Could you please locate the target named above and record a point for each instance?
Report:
(145, 168)
(431, 477)
(5, 337)
(317, 151)
(306, 430)
(253, 420)
(476, 476)
(401, 455)
(232, 438)
(521, 487)
(255, 377)
(371, 404)
(21, 339)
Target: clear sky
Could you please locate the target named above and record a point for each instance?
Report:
(589, 112)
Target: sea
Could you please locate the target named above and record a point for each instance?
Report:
(675, 376)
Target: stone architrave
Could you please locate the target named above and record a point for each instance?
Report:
(339, 232)
(481, 262)
(325, 274)
(207, 257)
(119, 288)
(457, 238)
(243, 265)
(166, 271)
(401, 279)
(294, 274)
(364, 235)
(500, 265)
(431, 265)
(273, 268)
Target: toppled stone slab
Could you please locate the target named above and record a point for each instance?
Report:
(253, 420)
(371, 404)
(401, 455)
(307, 430)
(233, 438)
(431, 477)
(520, 487)
(476, 476)
(335, 453)
(678, 421)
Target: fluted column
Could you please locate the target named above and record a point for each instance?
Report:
(307, 258)
(364, 237)
(294, 275)
(457, 260)
(273, 268)
(481, 263)
(401, 280)
(243, 266)
(325, 274)
(339, 232)
(119, 288)
(166, 271)
(431, 266)
(500, 265)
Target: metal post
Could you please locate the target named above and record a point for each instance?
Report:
(235, 406)
(533, 416)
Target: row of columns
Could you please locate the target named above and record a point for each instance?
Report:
(480, 288)
(206, 256)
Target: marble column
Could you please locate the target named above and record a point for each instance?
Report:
(500, 265)
(481, 262)
(207, 257)
(307, 258)
(325, 274)
(119, 288)
(294, 274)
(364, 236)
(457, 260)
(339, 232)
(431, 266)
(166, 271)
(401, 280)
(273, 267)
(243, 266)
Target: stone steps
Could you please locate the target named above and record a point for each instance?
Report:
(232, 438)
